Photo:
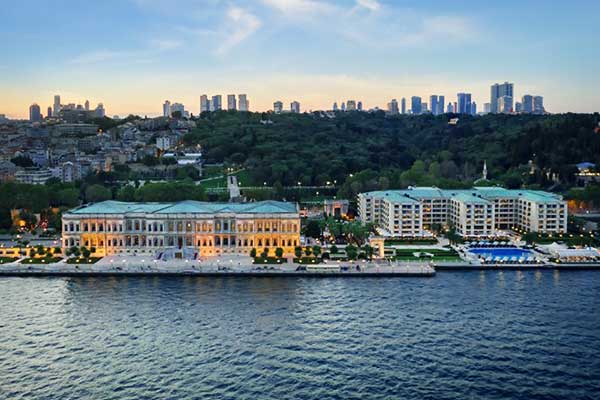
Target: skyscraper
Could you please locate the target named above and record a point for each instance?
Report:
(295, 107)
(505, 104)
(359, 106)
(433, 103)
(424, 108)
(215, 103)
(35, 114)
(487, 108)
(87, 105)
(527, 104)
(473, 108)
(49, 112)
(403, 102)
(450, 109)
(440, 105)
(464, 103)
(351, 105)
(204, 104)
(167, 109)
(231, 103)
(393, 107)
(538, 105)
(243, 102)
(497, 91)
(56, 108)
(415, 105)
(277, 107)
(335, 106)
(343, 108)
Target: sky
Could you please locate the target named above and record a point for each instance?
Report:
(132, 55)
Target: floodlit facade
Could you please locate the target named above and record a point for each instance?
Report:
(186, 229)
(481, 211)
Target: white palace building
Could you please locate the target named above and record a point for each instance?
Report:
(186, 229)
(477, 212)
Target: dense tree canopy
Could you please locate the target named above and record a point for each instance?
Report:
(398, 151)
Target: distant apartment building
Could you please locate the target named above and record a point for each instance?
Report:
(505, 105)
(243, 103)
(464, 103)
(278, 107)
(415, 105)
(231, 102)
(477, 212)
(167, 109)
(204, 104)
(538, 105)
(392, 107)
(35, 114)
(295, 107)
(216, 103)
(178, 107)
(498, 91)
(33, 176)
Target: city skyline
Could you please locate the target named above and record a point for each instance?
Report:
(180, 50)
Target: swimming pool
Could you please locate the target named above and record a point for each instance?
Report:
(501, 253)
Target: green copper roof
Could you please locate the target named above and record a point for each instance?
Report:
(186, 207)
(483, 193)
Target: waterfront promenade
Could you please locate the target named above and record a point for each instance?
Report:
(215, 266)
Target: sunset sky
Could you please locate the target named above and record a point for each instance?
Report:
(131, 55)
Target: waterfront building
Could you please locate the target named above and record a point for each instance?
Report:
(464, 103)
(477, 212)
(498, 91)
(35, 115)
(243, 103)
(185, 229)
(204, 104)
(278, 107)
(231, 103)
(415, 105)
(295, 107)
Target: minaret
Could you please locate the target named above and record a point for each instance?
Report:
(484, 170)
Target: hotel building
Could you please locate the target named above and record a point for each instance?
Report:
(477, 212)
(186, 229)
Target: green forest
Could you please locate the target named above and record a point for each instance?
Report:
(365, 151)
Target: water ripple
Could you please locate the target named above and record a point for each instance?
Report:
(492, 335)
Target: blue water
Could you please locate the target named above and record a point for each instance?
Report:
(501, 252)
(471, 335)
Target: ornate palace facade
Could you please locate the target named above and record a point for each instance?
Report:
(186, 229)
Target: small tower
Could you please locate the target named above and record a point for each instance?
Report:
(484, 171)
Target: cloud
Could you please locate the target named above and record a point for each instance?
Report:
(297, 7)
(372, 5)
(241, 24)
